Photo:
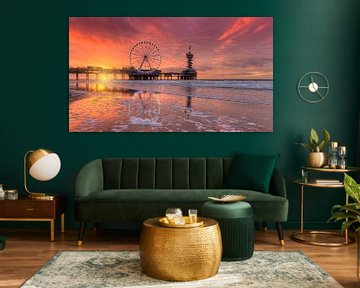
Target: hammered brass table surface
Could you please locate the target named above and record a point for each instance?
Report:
(180, 254)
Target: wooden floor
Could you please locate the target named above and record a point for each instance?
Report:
(28, 250)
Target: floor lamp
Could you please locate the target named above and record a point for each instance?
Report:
(42, 165)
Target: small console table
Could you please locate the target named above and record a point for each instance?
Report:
(297, 235)
(27, 209)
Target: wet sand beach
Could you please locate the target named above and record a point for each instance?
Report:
(170, 106)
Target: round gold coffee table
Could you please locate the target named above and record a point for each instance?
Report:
(180, 254)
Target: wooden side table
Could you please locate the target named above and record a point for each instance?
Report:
(26, 209)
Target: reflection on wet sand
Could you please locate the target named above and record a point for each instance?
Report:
(112, 107)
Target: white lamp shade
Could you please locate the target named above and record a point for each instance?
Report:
(46, 168)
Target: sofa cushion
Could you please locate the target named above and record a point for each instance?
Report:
(266, 207)
(251, 172)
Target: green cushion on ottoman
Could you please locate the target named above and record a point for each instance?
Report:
(2, 242)
(236, 223)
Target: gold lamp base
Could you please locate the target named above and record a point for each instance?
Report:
(41, 196)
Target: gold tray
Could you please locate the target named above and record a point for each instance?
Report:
(165, 222)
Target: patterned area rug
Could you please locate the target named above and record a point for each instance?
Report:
(122, 269)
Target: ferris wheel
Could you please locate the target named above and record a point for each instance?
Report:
(145, 56)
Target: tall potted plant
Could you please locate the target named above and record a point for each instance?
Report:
(350, 214)
(317, 157)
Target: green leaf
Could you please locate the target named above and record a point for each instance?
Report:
(336, 216)
(321, 146)
(312, 144)
(352, 188)
(326, 136)
(350, 207)
(306, 146)
(314, 135)
(346, 225)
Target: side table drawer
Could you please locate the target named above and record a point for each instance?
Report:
(30, 209)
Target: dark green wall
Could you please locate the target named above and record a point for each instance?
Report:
(321, 35)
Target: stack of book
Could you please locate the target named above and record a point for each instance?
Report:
(327, 181)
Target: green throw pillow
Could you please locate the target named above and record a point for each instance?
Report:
(251, 172)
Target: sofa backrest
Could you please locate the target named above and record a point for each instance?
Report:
(165, 173)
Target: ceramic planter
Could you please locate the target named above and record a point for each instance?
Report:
(317, 159)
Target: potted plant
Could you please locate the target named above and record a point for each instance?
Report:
(350, 213)
(317, 157)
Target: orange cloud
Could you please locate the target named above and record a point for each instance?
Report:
(223, 47)
(239, 27)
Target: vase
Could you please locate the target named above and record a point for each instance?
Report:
(317, 159)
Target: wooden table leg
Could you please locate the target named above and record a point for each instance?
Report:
(52, 230)
(63, 223)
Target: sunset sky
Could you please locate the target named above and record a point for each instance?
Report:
(223, 47)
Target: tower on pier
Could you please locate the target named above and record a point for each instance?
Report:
(190, 73)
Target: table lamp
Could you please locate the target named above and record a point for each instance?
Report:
(43, 165)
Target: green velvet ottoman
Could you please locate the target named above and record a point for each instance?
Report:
(236, 221)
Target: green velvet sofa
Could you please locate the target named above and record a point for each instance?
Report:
(130, 190)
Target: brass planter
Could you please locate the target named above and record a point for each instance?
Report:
(317, 159)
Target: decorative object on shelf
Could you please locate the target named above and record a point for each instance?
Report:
(313, 87)
(2, 192)
(327, 181)
(11, 194)
(228, 198)
(342, 153)
(43, 165)
(317, 157)
(304, 176)
(350, 213)
(332, 162)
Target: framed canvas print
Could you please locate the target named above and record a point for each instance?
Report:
(170, 74)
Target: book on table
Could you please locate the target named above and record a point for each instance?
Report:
(327, 181)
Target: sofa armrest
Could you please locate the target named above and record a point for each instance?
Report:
(89, 179)
(277, 184)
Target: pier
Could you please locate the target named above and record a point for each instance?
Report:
(126, 74)
(145, 56)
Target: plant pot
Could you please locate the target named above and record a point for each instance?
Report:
(317, 159)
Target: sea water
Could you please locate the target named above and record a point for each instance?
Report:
(170, 105)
